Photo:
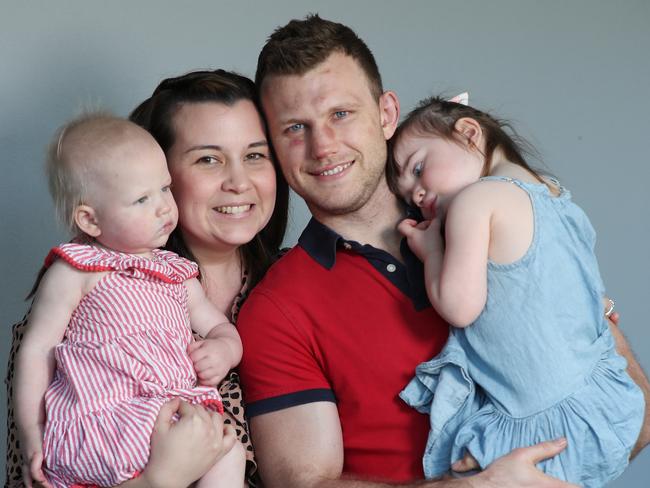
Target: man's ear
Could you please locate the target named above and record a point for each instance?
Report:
(470, 131)
(86, 220)
(389, 113)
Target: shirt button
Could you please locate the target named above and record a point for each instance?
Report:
(347, 246)
(391, 268)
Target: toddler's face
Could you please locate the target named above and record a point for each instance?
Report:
(433, 170)
(133, 203)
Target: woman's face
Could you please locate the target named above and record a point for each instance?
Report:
(223, 178)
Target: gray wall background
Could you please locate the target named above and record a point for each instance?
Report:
(572, 75)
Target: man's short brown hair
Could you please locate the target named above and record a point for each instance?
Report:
(301, 45)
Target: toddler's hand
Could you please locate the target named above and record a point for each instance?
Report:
(424, 238)
(212, 359)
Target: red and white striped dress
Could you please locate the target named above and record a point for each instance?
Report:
(124, 355)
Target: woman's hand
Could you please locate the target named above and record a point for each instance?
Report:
(183, 451)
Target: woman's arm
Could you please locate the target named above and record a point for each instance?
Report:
(58, 295)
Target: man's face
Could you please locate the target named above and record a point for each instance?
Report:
(329, 134)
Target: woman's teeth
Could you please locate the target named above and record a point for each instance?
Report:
(233, 209)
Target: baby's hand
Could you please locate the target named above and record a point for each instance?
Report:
(424, 238)
(31, 441)
(32, 468)
(212, 359)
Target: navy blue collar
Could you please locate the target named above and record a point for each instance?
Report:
(322, 243)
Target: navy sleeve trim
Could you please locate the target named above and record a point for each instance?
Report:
(281, 402)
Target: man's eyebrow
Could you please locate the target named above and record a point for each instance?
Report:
(291, 121)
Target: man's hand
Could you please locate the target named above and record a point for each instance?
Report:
(517, 469)
(212, 359)
(610, 313)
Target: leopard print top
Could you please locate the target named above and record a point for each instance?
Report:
(229, 389)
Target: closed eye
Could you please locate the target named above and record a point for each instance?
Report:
(417, 169)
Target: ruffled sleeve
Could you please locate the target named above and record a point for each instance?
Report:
(164, 265)
(443, 385)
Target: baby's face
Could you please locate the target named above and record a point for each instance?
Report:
(133, 203)
(432, 171)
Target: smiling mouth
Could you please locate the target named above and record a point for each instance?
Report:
(336, 170)
(233, 209)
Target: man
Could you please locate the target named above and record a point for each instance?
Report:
(336, 328)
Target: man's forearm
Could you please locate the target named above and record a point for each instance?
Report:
(639, 377)
(351, 483)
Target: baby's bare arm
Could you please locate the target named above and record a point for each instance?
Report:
(221, 349)
(58, 295)
(204, 315)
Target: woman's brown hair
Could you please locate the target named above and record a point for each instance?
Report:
(156, 114)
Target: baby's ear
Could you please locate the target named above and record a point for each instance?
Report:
(86, 220)
(469, 129)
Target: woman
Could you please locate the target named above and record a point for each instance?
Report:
(232, 216)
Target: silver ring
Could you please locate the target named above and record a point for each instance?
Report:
(610, 310)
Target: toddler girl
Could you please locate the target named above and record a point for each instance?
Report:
(530, 356)
(111, 318)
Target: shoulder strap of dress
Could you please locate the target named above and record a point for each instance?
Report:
(505, 179)
(177, 267)
(81, 256)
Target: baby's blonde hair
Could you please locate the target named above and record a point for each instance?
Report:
(75, 147)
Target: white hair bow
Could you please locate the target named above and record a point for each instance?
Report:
(462, 98)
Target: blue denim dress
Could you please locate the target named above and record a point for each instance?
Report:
(538, 363)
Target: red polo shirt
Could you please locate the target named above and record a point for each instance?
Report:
(337, 321)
